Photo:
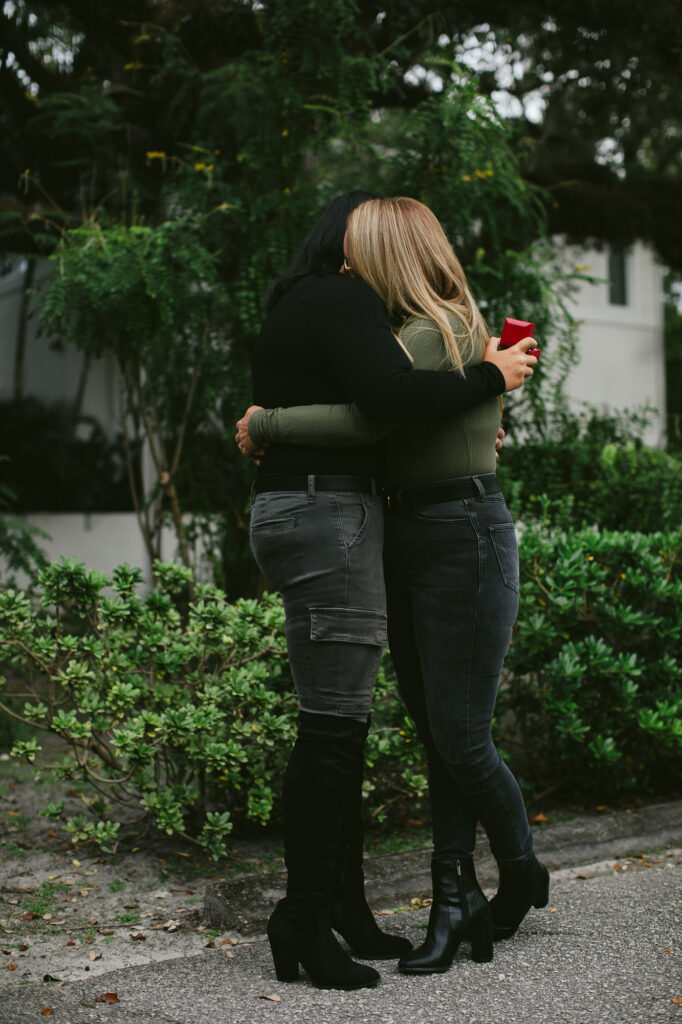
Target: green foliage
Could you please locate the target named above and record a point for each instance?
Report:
(165, 709)
(593, 468)
(594, 682)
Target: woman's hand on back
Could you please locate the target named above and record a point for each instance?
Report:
(246, 446)
(514, 362)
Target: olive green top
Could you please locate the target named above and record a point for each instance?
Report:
(458, 445)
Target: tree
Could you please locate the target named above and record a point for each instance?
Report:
(239, 121)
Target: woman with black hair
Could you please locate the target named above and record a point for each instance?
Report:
(317, 535)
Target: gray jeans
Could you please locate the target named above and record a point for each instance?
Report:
(323, 551)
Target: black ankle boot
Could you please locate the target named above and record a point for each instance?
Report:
(308, 940)
(315, 794)
(459, 911)
(352, 917)
(519, 890)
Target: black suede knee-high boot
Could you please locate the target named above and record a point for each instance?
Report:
(316, 789)
(352, 918)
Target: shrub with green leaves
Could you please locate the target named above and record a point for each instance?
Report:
(181, 711)
(595, 669)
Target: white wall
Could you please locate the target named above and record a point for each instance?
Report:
(621, 347)
(51, 374)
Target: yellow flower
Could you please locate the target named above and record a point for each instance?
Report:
(141, 39)
(285, 132)
(287, 191)
(155, 154)
(466, 177)
(133, 65)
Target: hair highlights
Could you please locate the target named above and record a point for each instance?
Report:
(399, 248)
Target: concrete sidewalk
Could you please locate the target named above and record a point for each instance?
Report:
(607, 950)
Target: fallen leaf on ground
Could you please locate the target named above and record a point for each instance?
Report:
(11, 967)
(227, 942)
(94, 955)
(103, 932)
(677, 1000)
(108, 997)
(583, 876)
(47, 1010)
(50, 977)
(76, 863)
(210, 945)
(537, 819)
(552, 910)
(29, 917)
(70, 943)
(136, 938)
(22, 949)
(277, 999)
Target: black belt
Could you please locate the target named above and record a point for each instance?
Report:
(313, 483)
(444, 490)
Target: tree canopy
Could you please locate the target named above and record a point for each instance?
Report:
(101, 100)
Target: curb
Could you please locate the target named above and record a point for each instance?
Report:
(393, 879)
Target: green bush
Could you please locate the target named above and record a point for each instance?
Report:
(593, 469)
(593, 702)
(183, 711)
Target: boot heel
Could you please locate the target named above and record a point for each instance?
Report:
(286, 962)
(542, 898)
(481, 938)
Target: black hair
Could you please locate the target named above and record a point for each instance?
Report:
(322, 251)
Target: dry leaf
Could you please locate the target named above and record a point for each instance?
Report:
(102, 931)
(50, 977)
(76, 863)
(70, 943)
(138, 937)
(677, 1000)
(583, 876)
(29, 917)
(94, 955)
(47, 1010)
(22, 949)
(667, 949)
(90, 938)
(108, 997)
(210, 945)
(47, 917)
(277, 999)
(552, 910)
(537, 819)
(11, 967)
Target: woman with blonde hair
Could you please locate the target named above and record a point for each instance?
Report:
(451, 571)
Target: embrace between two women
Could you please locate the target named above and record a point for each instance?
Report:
(378, 515)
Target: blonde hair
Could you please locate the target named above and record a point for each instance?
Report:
(399, 248)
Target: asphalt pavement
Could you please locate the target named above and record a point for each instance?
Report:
(606, 950)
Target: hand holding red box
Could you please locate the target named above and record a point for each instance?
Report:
(516, 330)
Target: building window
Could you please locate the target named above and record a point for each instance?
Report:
(618, 291)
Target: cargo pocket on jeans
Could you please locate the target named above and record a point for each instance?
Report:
(349, 625)
(503, 539)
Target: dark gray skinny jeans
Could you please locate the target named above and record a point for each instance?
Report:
(452, 580)
(323, 551)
